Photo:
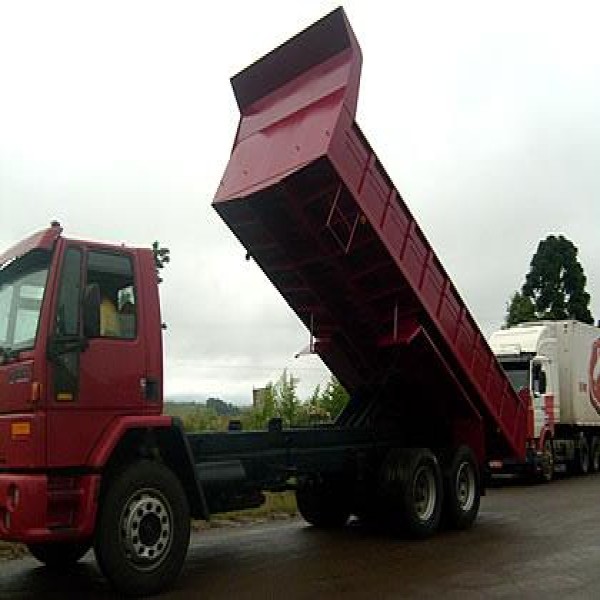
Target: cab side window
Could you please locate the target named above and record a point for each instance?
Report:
(113, 273)
(69, 297)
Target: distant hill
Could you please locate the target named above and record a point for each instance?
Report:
(185, 398)
(200, 398)
(215, 405)
(181, 409)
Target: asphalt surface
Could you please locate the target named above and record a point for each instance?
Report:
(530, 541)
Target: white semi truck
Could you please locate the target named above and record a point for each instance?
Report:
(557, 364)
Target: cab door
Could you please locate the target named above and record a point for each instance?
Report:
(103, 374)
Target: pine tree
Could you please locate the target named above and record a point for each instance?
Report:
(554, 288)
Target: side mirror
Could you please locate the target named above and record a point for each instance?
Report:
(91, 310)
(539, 379)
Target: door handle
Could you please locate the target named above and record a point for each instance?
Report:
(149, 388)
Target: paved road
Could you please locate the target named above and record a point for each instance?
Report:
(529, 541)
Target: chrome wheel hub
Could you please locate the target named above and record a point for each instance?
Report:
(424, 493)
(465, 486)
(146, 529)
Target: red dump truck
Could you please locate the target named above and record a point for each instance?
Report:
(87, 459)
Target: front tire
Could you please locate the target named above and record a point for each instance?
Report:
(547, 467)
(462, 490)
(143, 529)
(59, 555)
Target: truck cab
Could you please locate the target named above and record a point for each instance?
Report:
(548, 362)
(528, 354)
(79, 350)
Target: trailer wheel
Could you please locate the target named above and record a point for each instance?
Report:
(582, 456)
(59, 555)
(412, 491)
(547, 468)
(462, 490)
(323, 503)
(595, 455)
(143, 528)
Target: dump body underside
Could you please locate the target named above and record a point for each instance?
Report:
(309, 200)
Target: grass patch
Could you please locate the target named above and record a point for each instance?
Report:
(278, 505)
(10, 551)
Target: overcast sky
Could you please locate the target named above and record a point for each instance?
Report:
(117, 118)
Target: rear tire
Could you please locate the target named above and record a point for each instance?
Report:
(323, 503)
(595, 455)
(582, 456)
(143, 529)
(411, 487)
(462, 490)
(59, 555)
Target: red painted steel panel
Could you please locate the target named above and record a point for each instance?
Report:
(307, 196)
(31, 514)
(44, 240)
(23, 450)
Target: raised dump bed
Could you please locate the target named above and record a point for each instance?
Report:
(308, 198)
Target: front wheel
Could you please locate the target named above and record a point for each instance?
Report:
(546, 473)
(59, 555)
(143, 529)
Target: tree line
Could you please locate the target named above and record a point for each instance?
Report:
(278, 399)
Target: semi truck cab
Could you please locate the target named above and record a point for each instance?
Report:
(549, 361)
(528, 357)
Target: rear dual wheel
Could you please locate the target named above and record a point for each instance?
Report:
(462, 489)
(323, 502)
(411, 489)
(582, 456)
(595, 455)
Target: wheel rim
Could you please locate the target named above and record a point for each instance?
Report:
(596, 459)
(548, 460)
(424, 493)
(146, 529)
(465, 486)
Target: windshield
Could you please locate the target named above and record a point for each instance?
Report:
(518, 373)
(22, 284)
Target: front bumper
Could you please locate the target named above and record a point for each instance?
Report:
(44, 508)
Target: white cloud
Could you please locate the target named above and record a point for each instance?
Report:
(117, 119)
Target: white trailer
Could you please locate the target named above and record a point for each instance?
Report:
(557, 365)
